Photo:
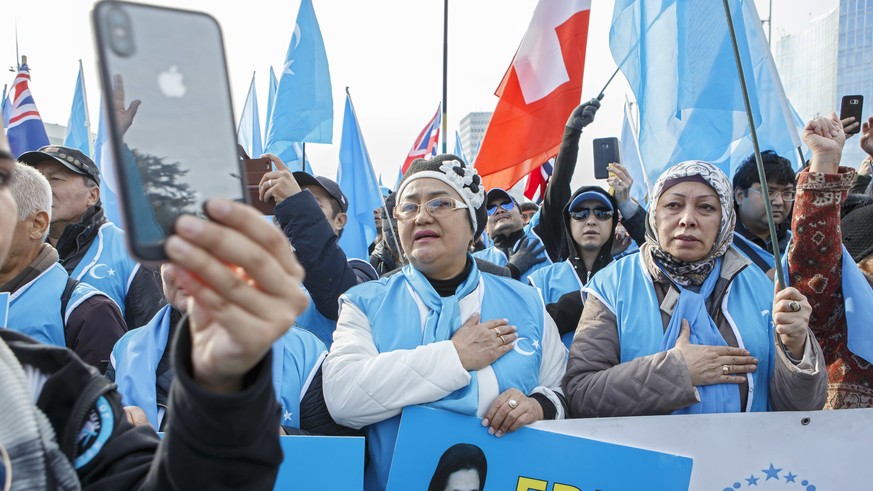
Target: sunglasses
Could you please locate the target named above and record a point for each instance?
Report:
(436, 207)
(601, 214)
(506, 207)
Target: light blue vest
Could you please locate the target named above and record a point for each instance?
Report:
(386, 301)
(555, 281)
(35, 308)
(296, 358)
(319, 325)
(107, 265)
(494, 255)
(625, 288)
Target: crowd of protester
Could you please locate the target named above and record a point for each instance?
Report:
(472, 301)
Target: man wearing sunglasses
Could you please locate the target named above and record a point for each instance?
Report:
(515, 245)
(752, 232)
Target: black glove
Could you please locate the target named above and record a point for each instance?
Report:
(526, 256)
(567, 311)
(583, 115)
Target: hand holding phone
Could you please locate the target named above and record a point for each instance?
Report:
(606, 151)
(852, 106)
(174, 145)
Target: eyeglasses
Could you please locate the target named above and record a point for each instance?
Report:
(436, 208)
(506, 207)
(601, 214)
(787, 195)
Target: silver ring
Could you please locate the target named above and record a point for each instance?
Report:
(725, 369)
(501, 338)
(269, 183)
(794, 305)
(512, 403)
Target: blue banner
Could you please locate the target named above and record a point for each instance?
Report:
(321, 463)
(527, 460)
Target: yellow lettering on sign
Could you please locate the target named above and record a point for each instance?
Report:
(528, 484)
(564, 487)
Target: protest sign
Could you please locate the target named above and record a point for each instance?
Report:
(803, 451)
(323, 463)
(427, 452)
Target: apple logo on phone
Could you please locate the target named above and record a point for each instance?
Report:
(170, 82)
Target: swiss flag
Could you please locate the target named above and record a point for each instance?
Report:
(539, 91)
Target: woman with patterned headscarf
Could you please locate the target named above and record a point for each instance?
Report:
(687, 325)
(441, 333)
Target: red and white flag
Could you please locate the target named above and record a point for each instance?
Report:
(426, 143)
(539, 91)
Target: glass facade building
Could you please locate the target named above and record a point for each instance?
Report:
(855, 64)
(472, 131)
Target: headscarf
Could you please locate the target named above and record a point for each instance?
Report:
(681, 272)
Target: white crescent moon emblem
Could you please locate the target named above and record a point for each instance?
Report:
(519, 350)
(94, 274)
(296, 35)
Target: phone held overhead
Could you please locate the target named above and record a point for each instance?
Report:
(172, 134)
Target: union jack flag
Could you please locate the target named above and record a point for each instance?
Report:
(426, 143)
(21, 118)
(537, 181)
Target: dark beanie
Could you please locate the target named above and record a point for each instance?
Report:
(857, 226)
(463, 178)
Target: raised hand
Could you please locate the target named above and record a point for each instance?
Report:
(527, 255)
(620, 180)
(710, 365)
(867, 137)
(123, 115)
(583, 115)
(244, 283)
(278, 184)
(825, 138)
(481, 344)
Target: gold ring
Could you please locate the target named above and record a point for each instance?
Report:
(497, 331)
(725, 369)
(501, 338)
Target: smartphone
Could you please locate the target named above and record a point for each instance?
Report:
(255, 170)
(179, 149)
(606, 151)
(852, 107)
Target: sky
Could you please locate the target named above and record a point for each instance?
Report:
(388, 52)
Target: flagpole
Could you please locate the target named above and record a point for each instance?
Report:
(762, 176)
(303, 157)
(445, 69)
(87, 114)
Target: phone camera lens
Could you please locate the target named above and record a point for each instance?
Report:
(119, 31)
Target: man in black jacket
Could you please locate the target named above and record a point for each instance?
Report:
(223, 417)
(312, 213)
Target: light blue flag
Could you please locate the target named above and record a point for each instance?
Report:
(78, 126)
(358, 182)
(294, 159)
(248, 132)
(271, 99)
(459, 150)
(102, 156)
(678, 59)
(303, 109)
(630, 159)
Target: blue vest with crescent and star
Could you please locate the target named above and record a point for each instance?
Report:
(555, 281)
(389, 300)
(35, 308)
(296, 358)
(107, 265)
(626, 289)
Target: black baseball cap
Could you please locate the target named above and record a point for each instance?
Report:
(71, 158)
(496, 193)
(329, 186)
